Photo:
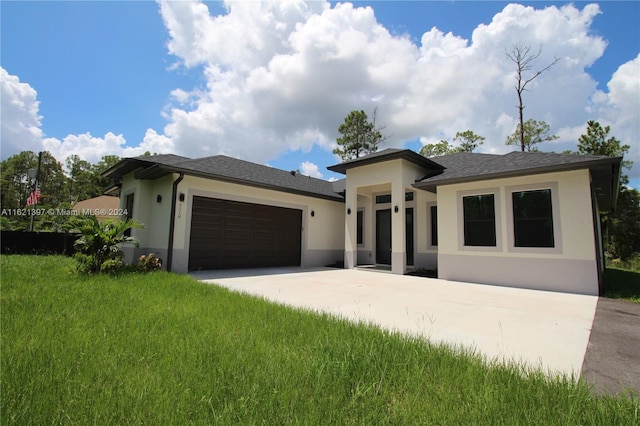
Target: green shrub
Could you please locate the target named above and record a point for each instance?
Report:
(112, 266)
(99, 244)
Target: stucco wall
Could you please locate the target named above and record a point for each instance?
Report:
(322, 235)
(393, 177)
(570, 266)
(154, 215)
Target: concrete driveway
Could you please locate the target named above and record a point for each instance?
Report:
(539, 328)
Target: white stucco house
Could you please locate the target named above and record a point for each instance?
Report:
(521, 219)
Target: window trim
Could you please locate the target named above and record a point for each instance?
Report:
(129, 195)
(430, 246)
(380, 201)
(555, 215)
(498, 219)
(361, 211)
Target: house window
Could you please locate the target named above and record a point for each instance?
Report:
(383, 199)
(360, 227)
(533, 218)
(479, 220)
(434, 226)
(408, 196)
(128, 205)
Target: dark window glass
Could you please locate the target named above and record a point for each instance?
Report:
(383, 199)
(408, 196)
(359, 227)
(479, 220)
(434, 225)
(129, 212)
(533, 218)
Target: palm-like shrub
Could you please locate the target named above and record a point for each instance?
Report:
(98, 248)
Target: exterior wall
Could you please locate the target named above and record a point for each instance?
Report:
(154, 215)
(426, 255)
(322, 234)
(366, 255)
(393, 177)
(570, 266)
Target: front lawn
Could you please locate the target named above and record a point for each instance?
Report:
(165, 349)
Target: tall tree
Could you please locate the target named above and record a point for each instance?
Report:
(51, 180)
(521, 55)
(101, 183)
(621, 228)
(15, 183)
(437, 149)
(533, 132)
(376, 137)
(598, 142)
(80, 184)
(468, 141)
(359, 136)
(625, 225)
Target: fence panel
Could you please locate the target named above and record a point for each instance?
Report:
(23, 242)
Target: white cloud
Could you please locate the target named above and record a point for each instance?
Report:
(310, 169)
(296, 69)
(20, 122)
(620, 107)
(21, 130)
(281, 76)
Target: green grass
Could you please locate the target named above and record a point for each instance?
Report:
(166, 349)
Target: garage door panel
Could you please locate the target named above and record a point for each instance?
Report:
(230, 234)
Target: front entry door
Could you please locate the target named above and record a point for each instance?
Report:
(383, 237)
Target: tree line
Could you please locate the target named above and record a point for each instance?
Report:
(58, 189)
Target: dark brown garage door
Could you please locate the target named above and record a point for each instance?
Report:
(229, 234)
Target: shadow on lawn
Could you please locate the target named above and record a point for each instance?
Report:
(622, 284)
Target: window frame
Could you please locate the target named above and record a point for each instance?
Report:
(360, 229)
(430, 245)
(522, 231)
(129, 209)
(555, 216)
(460, 195)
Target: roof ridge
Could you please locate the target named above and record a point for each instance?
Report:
(252, 164)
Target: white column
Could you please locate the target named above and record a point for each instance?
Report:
(398, 227)
(350, 230)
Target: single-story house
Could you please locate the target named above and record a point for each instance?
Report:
(523, 219)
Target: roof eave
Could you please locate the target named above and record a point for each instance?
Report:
(592, 164)
(407, 155)
(159, 170)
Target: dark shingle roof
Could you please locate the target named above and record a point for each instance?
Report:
(227, 169)
(168, 159)
(446, 169)
(340, 186)
(386, 155)
(467, 167)
(241, 171)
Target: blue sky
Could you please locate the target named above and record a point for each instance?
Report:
(98, 78)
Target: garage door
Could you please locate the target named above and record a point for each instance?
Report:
(229, 234)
